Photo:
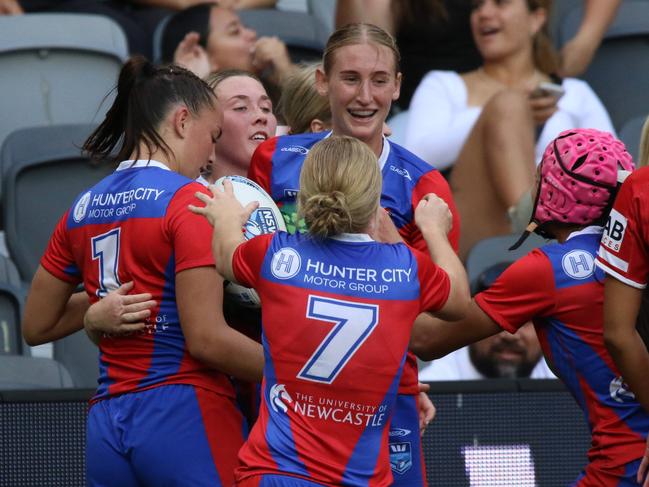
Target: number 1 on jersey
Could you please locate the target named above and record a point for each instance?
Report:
(353, 323)
(105, 247)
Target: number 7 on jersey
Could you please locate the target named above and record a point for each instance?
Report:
(353, 323)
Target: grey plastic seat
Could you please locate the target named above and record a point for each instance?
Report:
(12, 297)
(324, 11)
(157, 38)
(22, 372)
(630, 134)
(42, 172)
(619, 72)
(80, 357)
(57, 68)
(494, 251)
(302, 33)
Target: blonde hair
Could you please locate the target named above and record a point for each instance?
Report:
(358, 33)
(300, 102)
(643, 151)
(340, 187)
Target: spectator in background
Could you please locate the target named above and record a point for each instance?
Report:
(558, 287)
(503, 355)
(435, 35)
(207, 38)
(491, 124)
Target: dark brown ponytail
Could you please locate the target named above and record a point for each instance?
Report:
(145, 93)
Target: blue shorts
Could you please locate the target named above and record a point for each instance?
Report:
(406, 457)
(168, 435)
(276, 480)
(595, 476)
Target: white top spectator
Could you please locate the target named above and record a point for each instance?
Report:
(440, 120)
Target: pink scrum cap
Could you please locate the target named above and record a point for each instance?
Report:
(579, 175)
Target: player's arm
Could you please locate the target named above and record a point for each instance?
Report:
(525, 290)
(51, 309)
(118, 313)
(434, 182)
(434, 220)
(199, 296)
(228, 217)
(433, 337)
(621, 306)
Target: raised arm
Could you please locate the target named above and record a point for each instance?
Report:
(377, 12)
(433, 218)
(578, 52)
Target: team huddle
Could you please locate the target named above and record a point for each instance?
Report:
(369, 278)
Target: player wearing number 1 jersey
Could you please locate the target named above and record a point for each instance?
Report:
(337, 311)
(162, 414)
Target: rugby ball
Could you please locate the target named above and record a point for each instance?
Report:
(265, 219)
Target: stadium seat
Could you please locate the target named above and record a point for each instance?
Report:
(325, 12)
(42, 172)
(157, 39)
(302, 33)
(12, 297)
(20, 372)
(630, 134)
(619, 73)
(493, 252)
(57, 68)
(80, 357)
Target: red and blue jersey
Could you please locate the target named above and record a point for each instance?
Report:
(276, 166)
(336, 321)
(624, 250)
(134, 225)
(560, 289)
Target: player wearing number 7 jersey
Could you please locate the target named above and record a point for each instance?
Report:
(337, 312)
(162, 414)
(360, 77)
